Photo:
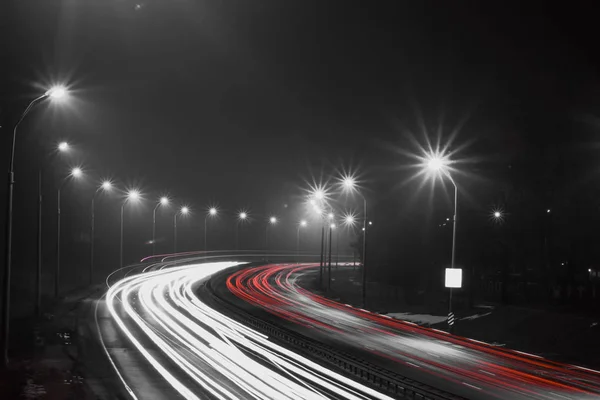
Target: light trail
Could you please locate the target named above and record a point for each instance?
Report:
(485, 369)
(203, 353)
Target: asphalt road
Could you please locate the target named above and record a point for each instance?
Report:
(165, 342)
(457, 365)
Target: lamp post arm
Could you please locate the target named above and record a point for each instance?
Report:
(29, 107)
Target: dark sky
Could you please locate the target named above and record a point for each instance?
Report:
(175, 93)
(239, 101)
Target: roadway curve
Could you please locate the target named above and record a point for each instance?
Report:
(458, 365)
(198, 352)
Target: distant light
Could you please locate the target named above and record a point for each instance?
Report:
(363, 229)
(318, 210)
(548, 211)
(243, 215)
(447, 219)
(106, 185)
(562, 263)
(497, 214)
(212, 211)
(273, 220)
(303, 223)
(589, 270)
(330, 216)
(133, 195)
(370, 222)
(332, 226)
(184, 210)
(312, 202)
(164, 200)
(76, 172)
(63, 146)
(57, 92)
(319, 194)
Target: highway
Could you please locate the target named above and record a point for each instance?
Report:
(457, 365)
(192, 350)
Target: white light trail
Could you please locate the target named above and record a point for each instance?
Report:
(213, 353)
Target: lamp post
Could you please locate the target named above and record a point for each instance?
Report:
(242, 216)
(62, 147)
(164, 201)
(350, 185)
(212, 212)
(438, 164)
(301, 224)
(317, 200)
(183, 211)
(349, 220)
(272, 221)
(331, 228)
(106, 186)
(132, 195)
(75, 173)
(56, 93)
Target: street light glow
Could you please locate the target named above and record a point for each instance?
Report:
(330, 216)
(303, 223)
(243, 215)
(63, 146)
(133, 195)
(349, 220)
(164, 200)
(212, 211)
(106, 185)
(185, 210)
(435, 164)
(57, 92)
(273, 220)
(497, 214)
(348, 183)
(332, 226)
(319, 194)
(76, 172)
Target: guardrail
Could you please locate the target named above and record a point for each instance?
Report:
(379, 378)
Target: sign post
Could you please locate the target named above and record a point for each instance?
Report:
(453, 280)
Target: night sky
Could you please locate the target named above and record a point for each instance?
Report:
(241, 102)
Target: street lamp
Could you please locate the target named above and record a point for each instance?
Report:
(133, 195)
(350, 185)
(62, 147)
(75, 173)
(242, 217)
(105, 187)
(317, 199)
(272, 221)
(163, 201)
(182, 211)
(54, 93)
(212, 212)
(301, 224)
(331, 228)
(438, 164)
(57, 92)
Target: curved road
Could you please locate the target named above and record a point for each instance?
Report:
(458, 365)
(194, 351)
